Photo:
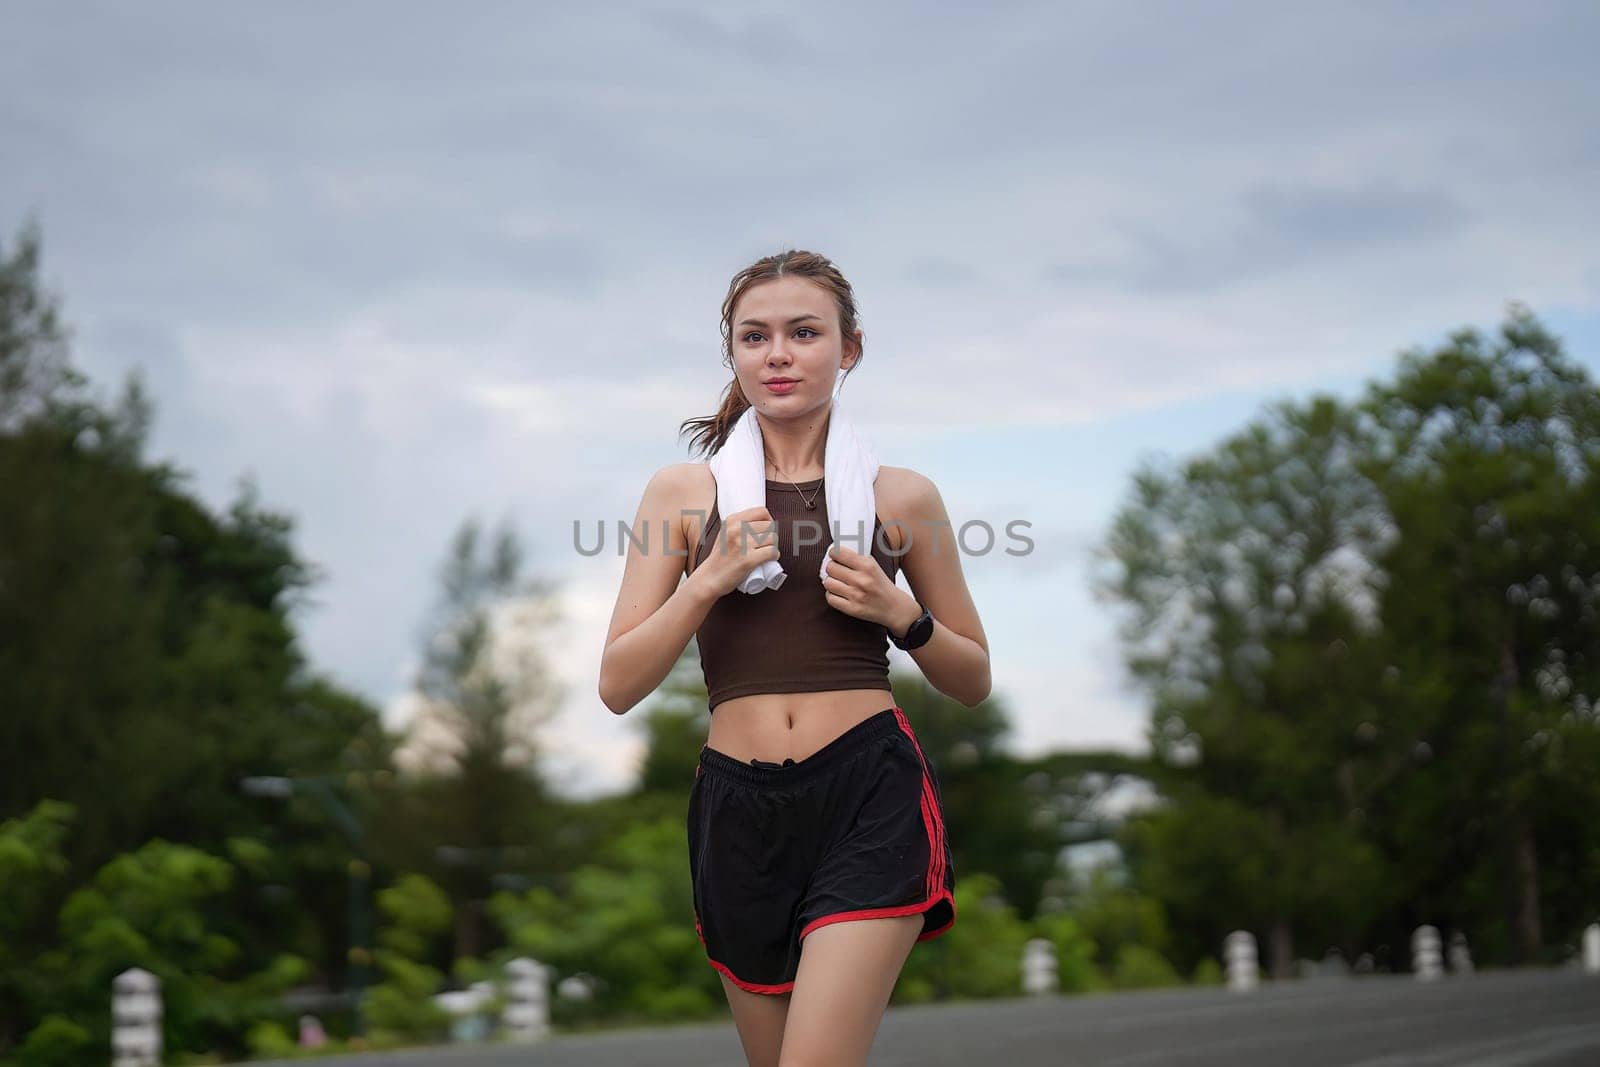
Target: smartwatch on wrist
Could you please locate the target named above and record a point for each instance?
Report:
(917, 633)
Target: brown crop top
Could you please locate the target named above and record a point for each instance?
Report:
(790, 639)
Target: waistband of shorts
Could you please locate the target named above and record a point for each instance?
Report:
(829, 755)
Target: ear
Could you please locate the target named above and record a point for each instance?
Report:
(852, 352)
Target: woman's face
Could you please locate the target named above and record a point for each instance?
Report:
(788, 328)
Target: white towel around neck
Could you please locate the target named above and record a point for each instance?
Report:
(850, 467)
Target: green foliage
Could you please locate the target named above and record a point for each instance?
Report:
(252, 856)
(56, 1042)
(1208, 972)
(1113, 935)
(469, 969)
(150, 641)
(1248, 621)
(31, 863)
(479, 809)
(35, 373)
(627, 919)
(32, 868)
(416, 913)
(1075, 952)
(144, 908)
(1114, 916)
(1490, 467)
(271, 1040)
(1189, 856)
(1142, 967)
(159, 908)
(675, 725)
(980, 956)
(1369, 634)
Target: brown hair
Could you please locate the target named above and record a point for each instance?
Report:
(711, 431)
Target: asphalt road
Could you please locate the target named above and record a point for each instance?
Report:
(1495, 1019)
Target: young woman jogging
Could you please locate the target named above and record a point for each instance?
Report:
(816, 835)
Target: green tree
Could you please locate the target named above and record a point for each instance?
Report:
(1487, 450)
(980, 956)
(33, 866)
(1251, 623)
(1115, 915)
(161, 908)
(145, 642)
(474, 745)
(625, 920)
(1369, 633)
(675, 724)
(416, 916)
(36, 374)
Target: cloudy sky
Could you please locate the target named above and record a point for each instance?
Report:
(407, 263)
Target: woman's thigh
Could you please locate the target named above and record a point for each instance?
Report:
(847, 972)
(759, 1018)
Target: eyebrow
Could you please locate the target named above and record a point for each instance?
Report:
(797, 318)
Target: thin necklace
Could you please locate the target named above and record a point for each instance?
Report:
(811, 505)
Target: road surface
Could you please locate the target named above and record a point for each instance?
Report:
(1494, 1019)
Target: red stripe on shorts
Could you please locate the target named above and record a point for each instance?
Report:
(931, 818)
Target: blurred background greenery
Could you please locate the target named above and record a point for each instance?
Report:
(1366, 632)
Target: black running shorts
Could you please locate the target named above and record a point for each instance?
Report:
(853, 831)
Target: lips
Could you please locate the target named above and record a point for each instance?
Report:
(780, 385)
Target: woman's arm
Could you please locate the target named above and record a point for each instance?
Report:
(956, 658)
(657, 609)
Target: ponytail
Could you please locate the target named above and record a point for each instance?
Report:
(711, 431)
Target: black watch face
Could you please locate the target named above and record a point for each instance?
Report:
(920, 630)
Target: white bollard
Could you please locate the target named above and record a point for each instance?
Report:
(466, 1010)
(1591, 949)
(580, 986)
(1426, 962)
(1039, 966)
(527, 1014)
(1460, 955)
(1239, 952)
(135, 1019)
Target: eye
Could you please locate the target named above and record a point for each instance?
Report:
(756, 333)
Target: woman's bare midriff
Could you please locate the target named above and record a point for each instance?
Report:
(773, 727)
